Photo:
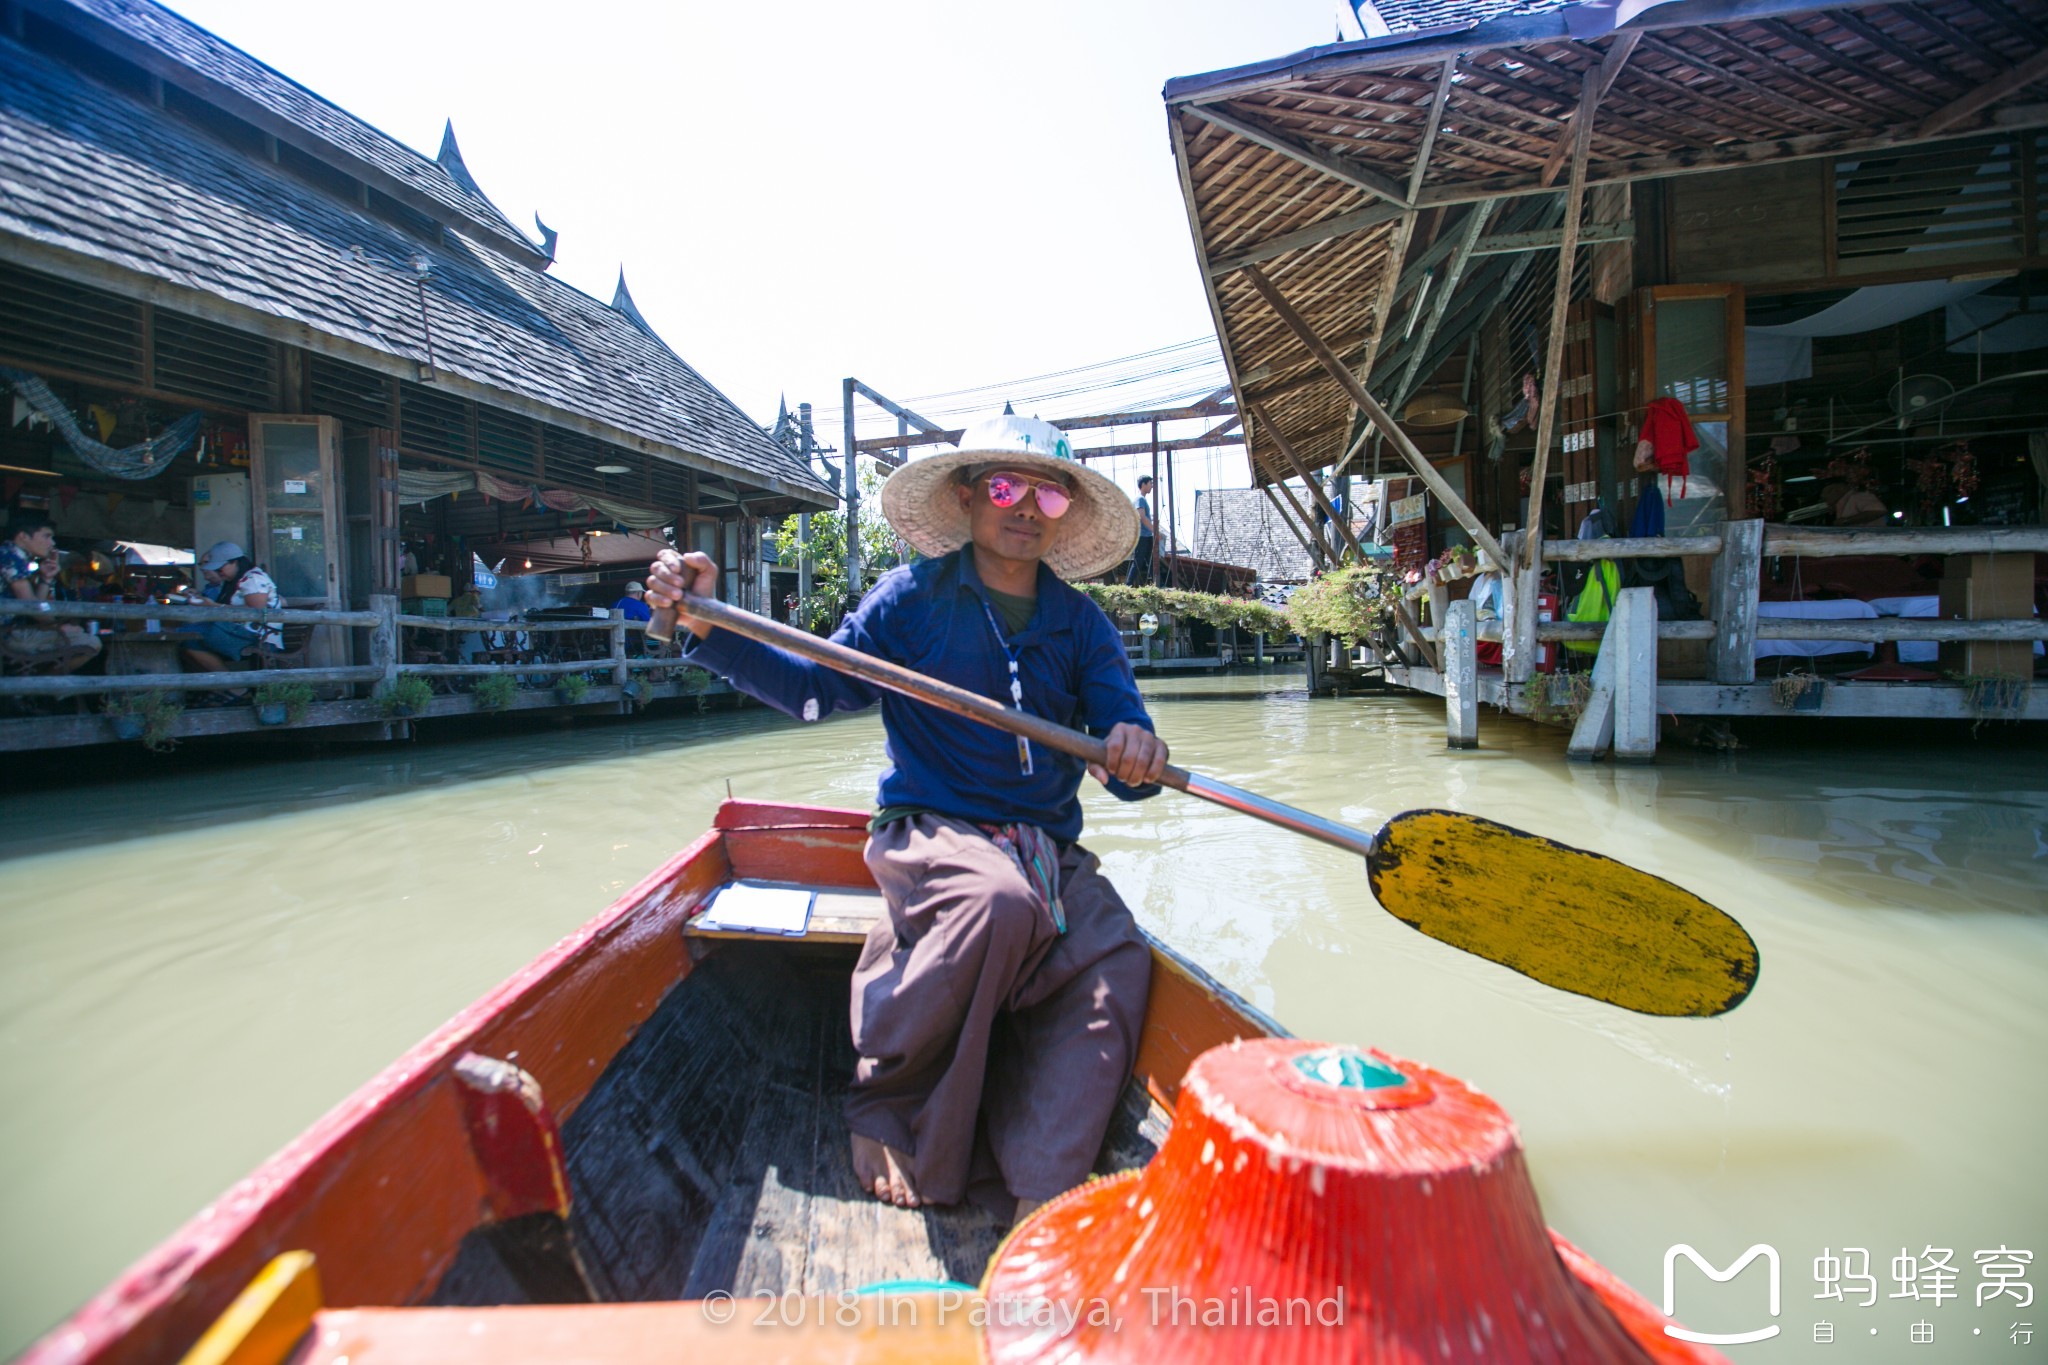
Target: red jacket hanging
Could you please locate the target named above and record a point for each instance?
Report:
(1670, 434)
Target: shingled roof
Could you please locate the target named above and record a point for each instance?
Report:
(179, 51)
(1420, 16)
(1240, 526)
(109, 190)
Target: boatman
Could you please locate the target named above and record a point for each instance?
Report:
(1005, 989)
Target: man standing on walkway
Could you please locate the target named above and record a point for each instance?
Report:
(1141, 558)
(996, 1007)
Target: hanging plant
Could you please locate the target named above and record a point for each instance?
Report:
(571, 688)
(147, 716)
(495, 692)
(282, 703)
(409, 695)
(639, 692)
(1352, 604)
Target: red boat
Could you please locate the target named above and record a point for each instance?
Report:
(633, 1150)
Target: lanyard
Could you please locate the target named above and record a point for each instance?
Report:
(1016, 685)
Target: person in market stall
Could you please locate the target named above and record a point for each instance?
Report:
(28, 573)
(996, 1005)
(233, 579)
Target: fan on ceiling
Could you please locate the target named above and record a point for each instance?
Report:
(1916, 396)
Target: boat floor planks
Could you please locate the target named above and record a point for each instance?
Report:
(713, 1155)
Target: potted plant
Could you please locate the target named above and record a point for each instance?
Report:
(495, 692)
(571, 688)
(147, 716)
(639, 692)
(406, 696)
(282, 703)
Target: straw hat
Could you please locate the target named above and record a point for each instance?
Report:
(1317, 1203)
(1097, 533)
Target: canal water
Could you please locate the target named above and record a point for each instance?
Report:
(198, 957)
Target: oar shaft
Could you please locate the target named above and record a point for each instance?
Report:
(974, 706)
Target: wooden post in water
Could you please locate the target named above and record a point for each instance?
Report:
(384, 649)
(1632, 633)
(1458, 641)
(1738, 573)
(618, 651)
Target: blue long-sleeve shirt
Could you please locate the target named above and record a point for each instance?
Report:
(934, 617)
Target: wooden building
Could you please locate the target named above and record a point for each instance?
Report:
(1475, 248)
(377, 358)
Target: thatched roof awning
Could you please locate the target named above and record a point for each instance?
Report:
(1317, 168)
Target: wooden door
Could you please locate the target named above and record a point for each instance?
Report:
(294, 476)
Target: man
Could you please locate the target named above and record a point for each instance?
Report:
(28, 562)
(1141, 558)
(633, 606)
(1005, 957)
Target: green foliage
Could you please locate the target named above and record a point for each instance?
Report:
(639, 691)
(495, 691)
(571, 688)
(1251, 614)
(1351, 604)
(1788, 688)
(409, 695)
(879, 549)
(158, 712)
(294, 697)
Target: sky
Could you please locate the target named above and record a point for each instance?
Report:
(930, 197)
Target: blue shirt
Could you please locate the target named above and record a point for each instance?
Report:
(934, 616)
(633, 609)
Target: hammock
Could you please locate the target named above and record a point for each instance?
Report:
(145, 460)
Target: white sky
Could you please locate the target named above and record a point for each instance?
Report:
(932, 197)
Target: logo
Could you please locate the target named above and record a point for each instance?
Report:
(1769, 1253)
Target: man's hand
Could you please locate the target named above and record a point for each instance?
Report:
(1136, 757)
(672, 574)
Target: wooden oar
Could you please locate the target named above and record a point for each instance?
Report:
(1579, 921)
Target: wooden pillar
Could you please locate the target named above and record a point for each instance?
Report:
(1594, 731)
(1632, 634)
(849, 473)
(806, 443)
(1738, 573)
(1458, 639)
(618, 643)
(1518, 617)
(384, 637)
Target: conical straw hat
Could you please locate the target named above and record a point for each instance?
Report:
(1097, 533)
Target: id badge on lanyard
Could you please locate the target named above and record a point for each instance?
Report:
(1024, 764)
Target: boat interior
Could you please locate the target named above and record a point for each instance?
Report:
(712, 1154)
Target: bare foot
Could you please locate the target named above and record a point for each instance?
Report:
(884, 1172)
(1025, 1208)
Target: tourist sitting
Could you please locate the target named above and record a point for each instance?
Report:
(28, 573)
(233, 580)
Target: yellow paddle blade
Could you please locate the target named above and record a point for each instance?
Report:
(1571, 919)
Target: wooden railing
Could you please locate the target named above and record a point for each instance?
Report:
(386, 662)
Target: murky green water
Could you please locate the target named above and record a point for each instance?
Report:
(196, 962)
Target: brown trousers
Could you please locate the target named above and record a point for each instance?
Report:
(967, 980)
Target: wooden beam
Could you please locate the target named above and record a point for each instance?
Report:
(1429, 474)
(1342, 225)
(1854, 66)
(1475, 223)
(1694, 61)
(1424, 650)
(1393, 284)
(1429, 131)
(1595, 90)
(1560, 301)
(1892, 47)
(1309, 547)
(2011, 82)
(895, 409)
(1362, 177)
(1340, 520)
(1509, 243)
(1325, 553)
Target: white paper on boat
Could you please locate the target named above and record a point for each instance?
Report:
(758, 908)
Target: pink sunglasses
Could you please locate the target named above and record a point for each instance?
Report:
(1006, 489)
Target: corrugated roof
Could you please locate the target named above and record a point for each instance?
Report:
(93, 172)
(233, 73)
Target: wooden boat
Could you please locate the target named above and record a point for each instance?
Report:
(579, 1164)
